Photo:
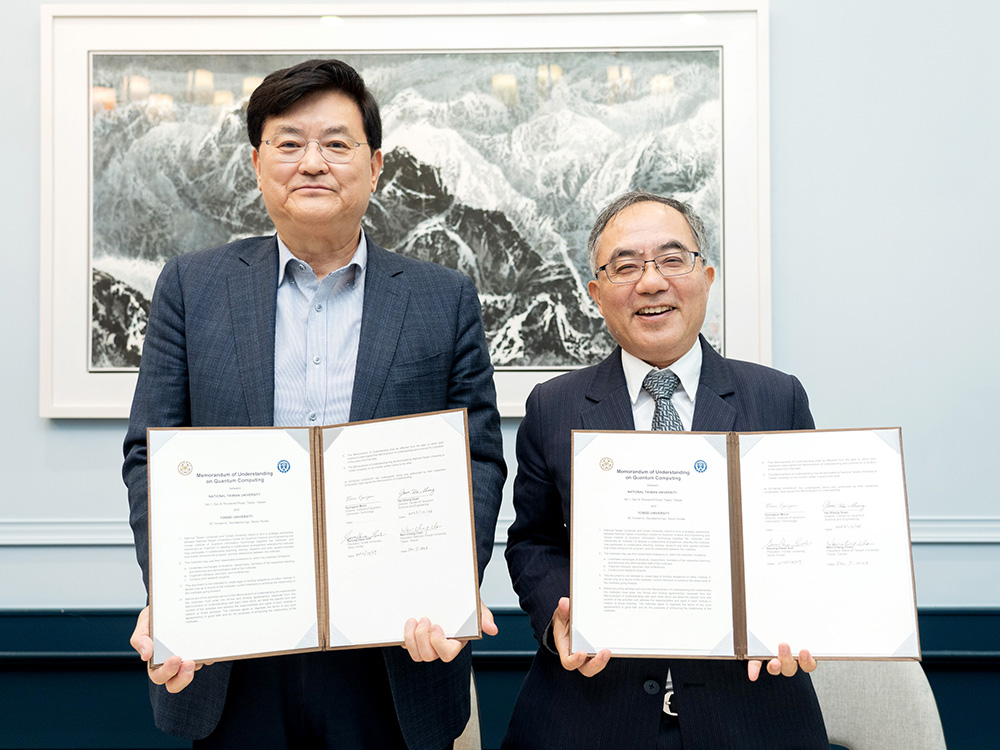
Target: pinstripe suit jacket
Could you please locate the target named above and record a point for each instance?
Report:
(720, 709)
(208, 360)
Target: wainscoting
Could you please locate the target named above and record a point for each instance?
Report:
(68, 679)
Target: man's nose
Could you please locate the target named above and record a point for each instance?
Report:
(651, 279)
(312, 161)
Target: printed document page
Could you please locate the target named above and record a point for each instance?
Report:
(650, 550)
(231, 542)
(399, 529)
(826, 544)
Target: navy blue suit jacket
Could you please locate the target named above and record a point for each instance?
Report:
(208, 360)
(719, 708)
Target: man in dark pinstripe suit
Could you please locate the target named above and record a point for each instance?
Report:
(651, 284)
(315, 325)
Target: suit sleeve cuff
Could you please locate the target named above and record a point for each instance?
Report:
(549, 640)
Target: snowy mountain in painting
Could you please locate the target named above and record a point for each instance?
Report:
(500, 183)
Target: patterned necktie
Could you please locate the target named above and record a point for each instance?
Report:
(661, 386)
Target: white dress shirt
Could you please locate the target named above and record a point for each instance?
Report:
(688, 372)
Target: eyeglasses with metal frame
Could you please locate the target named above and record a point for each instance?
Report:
(292, 149)
(630, 270)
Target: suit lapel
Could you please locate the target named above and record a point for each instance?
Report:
(712, 412)
(252, 301)
(381, 322)
(609, 406)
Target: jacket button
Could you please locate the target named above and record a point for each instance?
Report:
(651, 686)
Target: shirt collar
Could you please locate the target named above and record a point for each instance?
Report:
(687, 369)
(360, 258)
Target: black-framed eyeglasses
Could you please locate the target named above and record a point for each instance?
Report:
(630, 270)
(290, 148)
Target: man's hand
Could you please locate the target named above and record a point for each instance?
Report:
(784, 664)
(175, 673)
(588, 666)
(427, 642)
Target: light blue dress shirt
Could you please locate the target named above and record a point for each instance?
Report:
(316, 334)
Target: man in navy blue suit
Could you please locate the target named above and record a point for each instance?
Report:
(315, 325)
(651, 284)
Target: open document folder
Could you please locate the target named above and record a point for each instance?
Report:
(282, 539)
(727, 544)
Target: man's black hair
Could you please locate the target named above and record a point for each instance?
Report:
(280, 91)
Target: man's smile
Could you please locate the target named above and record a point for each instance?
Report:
(658, 310)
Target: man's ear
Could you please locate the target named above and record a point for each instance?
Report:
(255, 158)
(595, 294)
(376, 168)
(709, 277)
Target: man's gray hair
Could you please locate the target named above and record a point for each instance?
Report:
(622, 202)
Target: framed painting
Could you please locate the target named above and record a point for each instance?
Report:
(507, 129)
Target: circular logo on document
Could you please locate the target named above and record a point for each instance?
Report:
(284, 466)
(700, 466)
(184, 468)
(607, 464)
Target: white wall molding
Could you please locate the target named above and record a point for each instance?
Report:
(64, 532)
(959, 530)
(923, 530)
(112, 533)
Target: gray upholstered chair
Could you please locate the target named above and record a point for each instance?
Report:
(471, 739)
(878, 705)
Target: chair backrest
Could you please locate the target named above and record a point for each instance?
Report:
(878, 705)
(471, 739)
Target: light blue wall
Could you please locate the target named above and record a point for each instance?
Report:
(884, 164)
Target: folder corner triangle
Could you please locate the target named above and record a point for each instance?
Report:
(582, 644)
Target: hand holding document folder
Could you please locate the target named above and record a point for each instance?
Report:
(725, 545)
(281, 540)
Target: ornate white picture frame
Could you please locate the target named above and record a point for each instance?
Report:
(593, 76)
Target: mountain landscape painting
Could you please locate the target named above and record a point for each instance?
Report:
(495, 164)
